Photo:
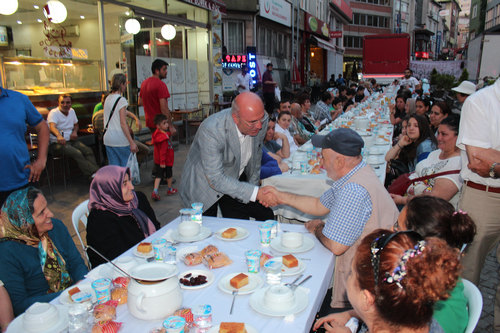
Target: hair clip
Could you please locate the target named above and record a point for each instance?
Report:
(461, 212)
(400, 271)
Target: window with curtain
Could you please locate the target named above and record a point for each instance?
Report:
(234, 36)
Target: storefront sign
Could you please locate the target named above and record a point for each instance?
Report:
(336, 34)
(234, 60)
(64, 52)
(276, 10)
(317, 26)
(212, 5)
(343, 7)
(252, 62)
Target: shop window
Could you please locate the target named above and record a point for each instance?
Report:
(234, 32)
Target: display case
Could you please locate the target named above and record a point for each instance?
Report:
(43, 80)
(36, 77)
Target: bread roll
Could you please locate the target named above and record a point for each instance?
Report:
(209, 249)
(144, 247)
(232, 328)
(239, 281)
(120, 295)
(229, 233)
(290, 261)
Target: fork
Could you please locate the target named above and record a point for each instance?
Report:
(235, 292)
(293, 283)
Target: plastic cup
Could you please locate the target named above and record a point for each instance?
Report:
(303, 167)
(273, 271)
(102, 289)
(274, 228)
(186, 214)
(265, 233)
(78, 316)
(198, 212)
(174, 324)
(158, 245)
(253, 260)
(202, 317)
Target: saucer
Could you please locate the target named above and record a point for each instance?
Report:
(143, 255)
(285, 271)
(301, 302)
(241, 233)
(248, 328)
(66, 300)
(204, 233)
(254, 282)
(307, 244)
(61, 326)
(196, 272)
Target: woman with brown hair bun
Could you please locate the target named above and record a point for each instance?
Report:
(395, 281)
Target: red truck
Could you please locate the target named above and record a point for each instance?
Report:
(385, 57)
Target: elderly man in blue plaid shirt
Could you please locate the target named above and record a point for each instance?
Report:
(356, 204)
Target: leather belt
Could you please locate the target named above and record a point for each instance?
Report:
(482, 187)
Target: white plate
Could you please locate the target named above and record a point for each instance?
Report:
(241, 233)
(143, 255)
(285, 271)
(17, 326)
(307, 245)
(300, 303)
(154, 271)
(65, 299)
(254, 282)
(196, 272)
(204, 233)
(249, 329)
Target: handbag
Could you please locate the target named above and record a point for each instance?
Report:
(110, 115)
(400, 185)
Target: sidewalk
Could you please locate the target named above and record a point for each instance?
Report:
(167, 209)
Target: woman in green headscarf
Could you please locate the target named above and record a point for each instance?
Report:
(38, 258)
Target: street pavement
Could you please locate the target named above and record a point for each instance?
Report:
(63, 201)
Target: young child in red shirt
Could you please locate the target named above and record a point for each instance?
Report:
(163, 156)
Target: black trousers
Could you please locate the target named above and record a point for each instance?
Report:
(233, 208)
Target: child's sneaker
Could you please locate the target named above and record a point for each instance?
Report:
(171, 191)
(155, 196)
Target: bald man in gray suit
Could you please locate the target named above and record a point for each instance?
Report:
(223, 165)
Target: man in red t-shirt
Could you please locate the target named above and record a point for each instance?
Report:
(154, 94)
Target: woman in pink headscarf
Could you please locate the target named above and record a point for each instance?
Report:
(119, 217)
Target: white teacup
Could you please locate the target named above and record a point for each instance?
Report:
(189, 229)
(292, 239)
(279, 297)
(40, 317)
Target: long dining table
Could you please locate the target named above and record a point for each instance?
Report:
(297, 182)
(319, 263)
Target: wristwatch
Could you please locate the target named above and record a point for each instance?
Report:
(492, 170)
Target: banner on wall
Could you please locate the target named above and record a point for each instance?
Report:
(423, 69)
(276, 10)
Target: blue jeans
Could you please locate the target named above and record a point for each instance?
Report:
(118, 155)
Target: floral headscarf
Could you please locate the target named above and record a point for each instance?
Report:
(106, 194)
(17, 224)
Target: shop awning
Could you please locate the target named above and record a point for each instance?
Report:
(325, 45)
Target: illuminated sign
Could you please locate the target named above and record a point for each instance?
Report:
(234, 60)
(422, 55)
(252, 62)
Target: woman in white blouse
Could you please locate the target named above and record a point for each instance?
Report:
(445, 158)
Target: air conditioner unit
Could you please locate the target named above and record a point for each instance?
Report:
(72, 30)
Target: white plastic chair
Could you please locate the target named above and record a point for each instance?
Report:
(474, 303)
(80, 213)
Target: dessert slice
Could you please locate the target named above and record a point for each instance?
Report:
(232, 328)
(239, 281)
(290, 261)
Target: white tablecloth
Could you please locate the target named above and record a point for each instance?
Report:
(320, 266)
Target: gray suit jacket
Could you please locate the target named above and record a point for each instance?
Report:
(213, 163)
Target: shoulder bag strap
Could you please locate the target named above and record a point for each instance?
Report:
(439, 174)
(110, 115)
